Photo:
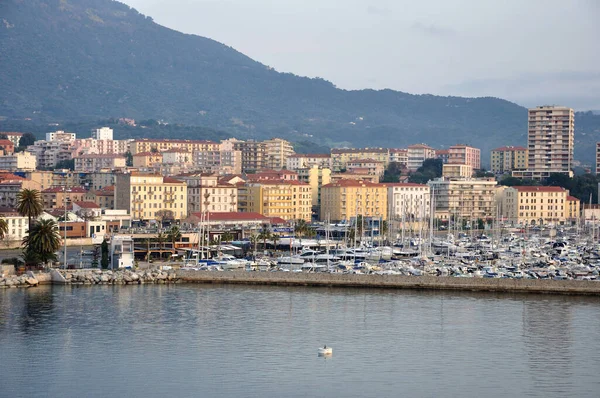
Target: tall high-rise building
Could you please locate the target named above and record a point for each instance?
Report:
(598, 158)
(509, 158)
(551, 139)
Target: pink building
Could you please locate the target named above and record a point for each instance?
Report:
(464, 154)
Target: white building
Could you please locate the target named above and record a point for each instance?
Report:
(204, 192)
(410, 202)
(24, 161)
(60, 136)
(17, 227)
(466, 198)
(103, 133)
(417, 154)
(308, 160)
(95, 163)
(121, 251)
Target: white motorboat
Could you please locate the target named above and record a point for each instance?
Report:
(325, 351)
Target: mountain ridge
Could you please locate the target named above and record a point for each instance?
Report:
(97, 59)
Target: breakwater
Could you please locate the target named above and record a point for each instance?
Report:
(569, 287)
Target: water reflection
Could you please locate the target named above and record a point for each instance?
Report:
(237, 340)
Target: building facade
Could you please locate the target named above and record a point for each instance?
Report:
(95, 163)
(507, 159)
(551, 141)
(206, 193)
(417, 154)
(288, 200)
(466, 199)
(536, 205)
(408, 202)
(277, 152)
(151, 197)
(307, 160)
(345, 199)
(23, 161)
(341, 156)
(464, 154)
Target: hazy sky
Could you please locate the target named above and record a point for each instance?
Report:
(532, 52)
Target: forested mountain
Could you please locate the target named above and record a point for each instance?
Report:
(84, 60)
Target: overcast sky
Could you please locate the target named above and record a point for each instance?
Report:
(532, 52)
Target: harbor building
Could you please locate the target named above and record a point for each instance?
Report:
(464, 198)
(151, 197)
(345, 199)
(535, 205)
(288, 200)
(408, 201)
(206, 193)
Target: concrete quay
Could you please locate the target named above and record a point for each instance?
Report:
(543, 286)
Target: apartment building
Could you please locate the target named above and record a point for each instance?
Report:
(345, 199)
(598, 158)
(316, 177)
(206, 193)
(254, 154)
(7, 147)
(450, 170)
(408, 202)
(417, 154)
(443, 155)
(54, 198)
(23, 161)
(341, 156)
(11, 185)
(83, 146)
(151, 197)
(103, 133)
(223, 161)
(147, 160)
(17, 225)
(160, 145)
(277, 153)
(60, 136)
(551, 140)
(177, 156)
(103, 197)
(370, 166)
(509, 158)
(464, 154)
(12, 136)
(95, 163)
(467, 199)
(536, 205)
(50, 152)
(308, 160)
(399, 155)
(288, 200)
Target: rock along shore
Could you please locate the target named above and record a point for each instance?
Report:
(569, 287)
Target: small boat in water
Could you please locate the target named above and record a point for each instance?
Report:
(325, 350)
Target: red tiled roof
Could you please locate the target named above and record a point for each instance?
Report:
(233, 216)
(572, 198)
(524, 188)
(418, 146)
(358, 150)
(11, 177)
(175, 150)
(364, 161)
(87, 205)
(439, 152)
(171, 180)
(277, 182)
(100, 156)
(6, 142)
(11, 133)
(278, 220)
(168, 140)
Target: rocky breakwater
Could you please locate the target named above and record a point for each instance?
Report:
(124, 277)
(18, 281)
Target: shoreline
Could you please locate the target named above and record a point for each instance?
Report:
(371, 281)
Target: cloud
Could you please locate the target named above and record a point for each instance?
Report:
(375, 10)
(433, 30)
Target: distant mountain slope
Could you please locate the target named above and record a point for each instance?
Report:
(92, 59)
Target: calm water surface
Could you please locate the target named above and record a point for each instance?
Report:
(237, 341)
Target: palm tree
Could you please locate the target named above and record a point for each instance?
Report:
(3, 228)
(227, 237)
(161, 237)
(174, 235)
(43, 240)
(264, 234)
(275, 238)
(254, 240)
(29, 204)
(300, 228)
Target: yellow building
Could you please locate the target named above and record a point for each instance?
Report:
(341, 156)
(509, 158)
(316, 177)
(289, 200)
(151, 197)
(573, 208)
(534, 205)
(144, 160)
(457, 171)
(161, 145)
(345, 199)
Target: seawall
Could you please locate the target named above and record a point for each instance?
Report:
(568, 287)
